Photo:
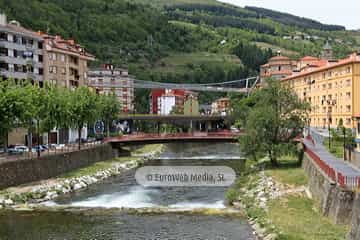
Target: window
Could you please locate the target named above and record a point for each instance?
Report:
(348, 121)
(329, 86)
(52, 69)
(348, 95)
(348, 108)
(323, 86)
(62, 57)
(63, 71)
(358, 128)
(348, 70)
(52, 56)
(348, 83)
(330, 74)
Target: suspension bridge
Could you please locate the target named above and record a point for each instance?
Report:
(238, 86)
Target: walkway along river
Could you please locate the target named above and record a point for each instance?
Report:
(96, 212)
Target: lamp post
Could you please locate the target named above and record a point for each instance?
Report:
(329, 119)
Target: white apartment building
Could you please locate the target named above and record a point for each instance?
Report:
(21, 52)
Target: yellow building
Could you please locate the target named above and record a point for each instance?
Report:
(333, 89)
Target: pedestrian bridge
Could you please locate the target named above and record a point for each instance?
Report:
(135, 139)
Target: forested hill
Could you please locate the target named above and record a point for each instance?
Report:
(289, 19)
(180, 40)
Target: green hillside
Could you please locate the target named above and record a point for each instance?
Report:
(180, 40)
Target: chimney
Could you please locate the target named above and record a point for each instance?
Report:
(3, 19)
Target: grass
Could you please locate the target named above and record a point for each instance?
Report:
(296, 218)
(293, 217)
(99, 166)
(337, 148)
(288, 172)
(184, 62)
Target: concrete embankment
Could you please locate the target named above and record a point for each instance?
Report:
(341, 205)
(30, 195)
(333, 201)
(13, 173)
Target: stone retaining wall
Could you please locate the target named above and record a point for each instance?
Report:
(335, 202)
(355, 223)
(24, 171)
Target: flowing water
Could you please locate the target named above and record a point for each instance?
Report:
(98, 214)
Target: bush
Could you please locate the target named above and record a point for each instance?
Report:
(231, 195)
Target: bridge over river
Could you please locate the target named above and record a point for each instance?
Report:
(223, 136)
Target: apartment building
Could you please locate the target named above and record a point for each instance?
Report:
(167, 101)
(114, 80)
(333, 91)
(21, 52)
(65, 62)
(221, 106)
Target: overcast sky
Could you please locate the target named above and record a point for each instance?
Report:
(345, 12)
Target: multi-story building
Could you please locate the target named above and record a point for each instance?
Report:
(221, 106)
(333, 91)
(177, 101)
(21, 52)
(65, 62)
(191, 104)
(114, 80)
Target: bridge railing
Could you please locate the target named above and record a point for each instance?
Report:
(351, 182)
(145, 136)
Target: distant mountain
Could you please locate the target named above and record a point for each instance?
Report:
(180, 40)
(289, 19)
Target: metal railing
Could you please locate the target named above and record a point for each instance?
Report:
(149, 136)
(61, 149)
(340, 178)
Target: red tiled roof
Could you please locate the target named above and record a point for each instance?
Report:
(351, 59)
(65, 45)
(20, 29)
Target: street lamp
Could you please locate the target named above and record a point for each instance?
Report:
(329, 119)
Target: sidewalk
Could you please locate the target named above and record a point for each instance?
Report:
(340, 171)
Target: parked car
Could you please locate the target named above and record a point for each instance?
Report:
(39, 148)
(17, 149)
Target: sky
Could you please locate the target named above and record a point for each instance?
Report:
(345, 12)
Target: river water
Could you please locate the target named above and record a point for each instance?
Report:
(96, 212)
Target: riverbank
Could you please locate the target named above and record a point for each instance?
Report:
(278, 203)
(30, 195)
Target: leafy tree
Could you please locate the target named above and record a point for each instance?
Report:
(12, 106)
(83, 109)
(109, 110)
(275, 119)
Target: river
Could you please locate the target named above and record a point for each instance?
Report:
(96, 214)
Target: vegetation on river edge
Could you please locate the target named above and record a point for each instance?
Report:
(292, 216)
(40, 110)
(273, 116)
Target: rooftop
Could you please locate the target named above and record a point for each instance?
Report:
(353, 58)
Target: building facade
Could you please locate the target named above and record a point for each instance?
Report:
(173, 101)
(114, 80)
(221, 107)
(333, 90)
(191, 104)
(65, 62)
(21, 52)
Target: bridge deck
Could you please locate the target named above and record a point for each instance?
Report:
(198, 136)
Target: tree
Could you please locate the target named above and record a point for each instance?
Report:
(109, 110)
(276, 117)
(12, 106)
(83, 109)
